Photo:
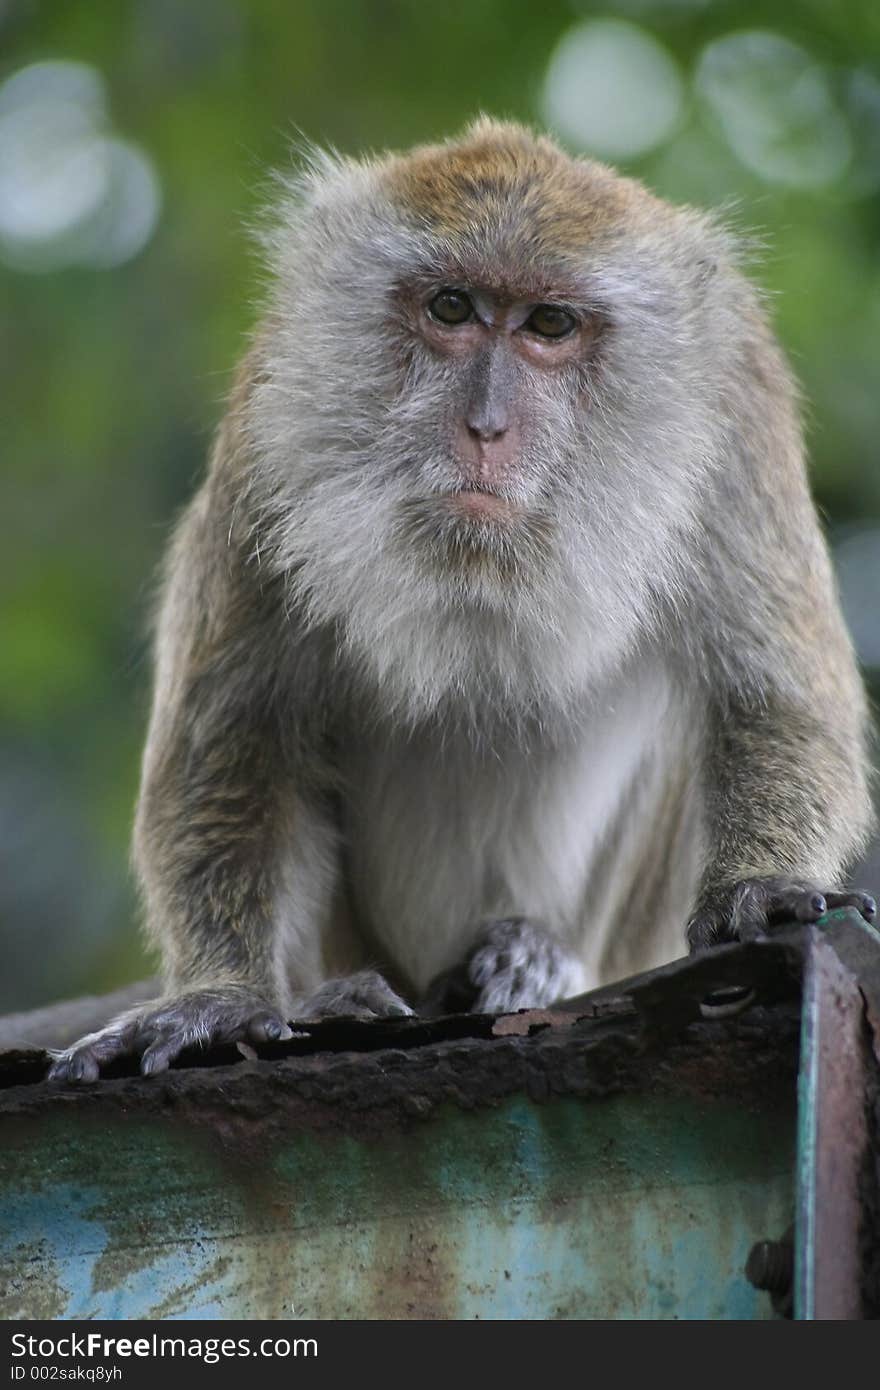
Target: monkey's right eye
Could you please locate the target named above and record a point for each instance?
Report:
(451, 307)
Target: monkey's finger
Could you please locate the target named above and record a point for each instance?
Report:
(702, 933)
(485, 965)
(371, 992)
(268, 1027)
(799, 903)
(389, 1010)
(79, 1065)
(84, 1063)
(862, 902)
(348, 1007)
(395, 1009)
(161, 1053)
(59, 1069)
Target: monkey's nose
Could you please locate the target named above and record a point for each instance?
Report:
(487, 452)
(487, 433)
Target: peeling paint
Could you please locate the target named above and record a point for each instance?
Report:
(615, 1159)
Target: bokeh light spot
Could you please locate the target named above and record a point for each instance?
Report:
(71, 193)
(774, 103)
(612, 89)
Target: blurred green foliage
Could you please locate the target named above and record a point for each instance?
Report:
(115, 376)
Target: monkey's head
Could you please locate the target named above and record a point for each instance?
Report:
(488, 401)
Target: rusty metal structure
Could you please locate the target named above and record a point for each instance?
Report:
(699, 1142)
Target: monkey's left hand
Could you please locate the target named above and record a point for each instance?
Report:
(749, 909)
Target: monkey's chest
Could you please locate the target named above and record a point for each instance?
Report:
(438, 838)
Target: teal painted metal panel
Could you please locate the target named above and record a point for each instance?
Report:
(635, 1205)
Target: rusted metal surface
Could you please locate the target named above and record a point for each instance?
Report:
(364, 1079)
(833, 1102)
(632, 1206)
(610, 1161)
(616, 1157)
(870, 1189)
(836, 1231)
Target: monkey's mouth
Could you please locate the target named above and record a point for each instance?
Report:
(475, 505)
(479, 535)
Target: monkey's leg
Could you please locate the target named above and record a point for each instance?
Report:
(366, 994)
(778, 826)
(513, 964)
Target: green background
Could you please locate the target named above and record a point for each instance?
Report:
(115, 369)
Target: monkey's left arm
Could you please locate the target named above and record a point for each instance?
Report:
(786, 807)
(785, 768)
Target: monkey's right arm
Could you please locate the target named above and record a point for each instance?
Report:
(232, 771)
(207, 821)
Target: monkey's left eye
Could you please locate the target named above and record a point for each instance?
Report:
(451, 306)
(549, 321)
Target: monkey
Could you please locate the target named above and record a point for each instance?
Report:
(499, 653)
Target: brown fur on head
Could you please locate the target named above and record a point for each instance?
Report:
(499, 176)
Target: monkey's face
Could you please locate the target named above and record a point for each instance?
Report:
(487, 406)
(502, 374)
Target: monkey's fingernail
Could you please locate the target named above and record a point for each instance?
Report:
(869, 907)
(268, 1029)
(817, 903)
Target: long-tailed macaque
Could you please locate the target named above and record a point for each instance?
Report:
(499, 653)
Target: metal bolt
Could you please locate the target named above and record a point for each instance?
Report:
(770, 1266)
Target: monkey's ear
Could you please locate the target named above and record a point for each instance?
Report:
(705, 269)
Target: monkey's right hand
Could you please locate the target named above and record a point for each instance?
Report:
(159, 1030)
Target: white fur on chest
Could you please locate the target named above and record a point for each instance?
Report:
(440, 837)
